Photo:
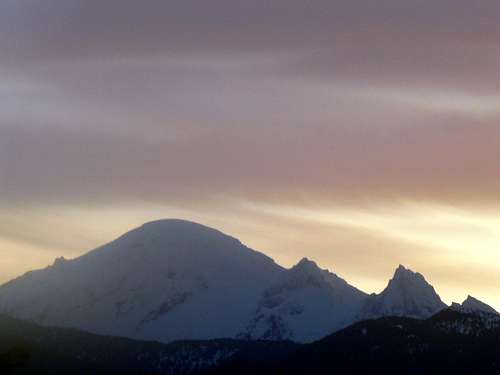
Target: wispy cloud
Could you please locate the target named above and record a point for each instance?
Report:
(294, 106)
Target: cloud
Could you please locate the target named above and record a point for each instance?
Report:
(451, 43)
(198, 106)
(454, 162)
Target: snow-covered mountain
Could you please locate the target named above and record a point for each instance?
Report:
(305, 303)
(473, 305)
(407, 294)
(171, 279)
(166, 280)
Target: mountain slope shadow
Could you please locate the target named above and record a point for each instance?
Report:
(448, 342)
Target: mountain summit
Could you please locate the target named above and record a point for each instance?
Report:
(166, 280)
(303, 304)
(177, 280)
(473, 305)
(407, 294)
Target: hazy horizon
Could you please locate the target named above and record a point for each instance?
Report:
(361, 135)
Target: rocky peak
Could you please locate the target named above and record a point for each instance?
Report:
(472, 304)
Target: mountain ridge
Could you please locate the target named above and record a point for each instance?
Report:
(450, 341)
(173, 279)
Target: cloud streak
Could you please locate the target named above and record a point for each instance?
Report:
(193, 107)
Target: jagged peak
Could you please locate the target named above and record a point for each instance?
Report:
(472, 304)
(470, 299)
(310, 267)
(309, 271)
(407, 282)
(59, 261)
(306, 263)
(406, 276)
(307, 268)
(403, 271)
(407, 294)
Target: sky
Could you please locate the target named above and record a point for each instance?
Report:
(360, 134)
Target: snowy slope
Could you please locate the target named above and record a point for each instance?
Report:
(407, 294)
(305, 304)
(171, 279)
(166, 280)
